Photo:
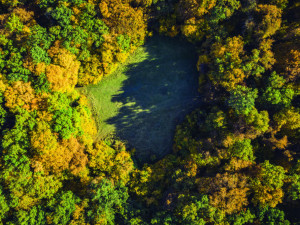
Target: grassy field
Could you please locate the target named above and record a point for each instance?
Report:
(142, 101)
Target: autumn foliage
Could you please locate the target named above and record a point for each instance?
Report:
(235, 158)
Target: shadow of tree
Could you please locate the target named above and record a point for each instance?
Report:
(157, 94)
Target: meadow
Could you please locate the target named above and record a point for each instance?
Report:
(144, 99)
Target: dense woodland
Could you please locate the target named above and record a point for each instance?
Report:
(234, 161)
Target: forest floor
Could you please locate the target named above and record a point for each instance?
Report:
(144, 99)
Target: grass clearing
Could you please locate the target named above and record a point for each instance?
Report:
(142, 101)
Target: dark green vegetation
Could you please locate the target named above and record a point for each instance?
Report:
(143, 100)
(235, 157)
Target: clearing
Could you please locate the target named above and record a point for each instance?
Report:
(143, 100)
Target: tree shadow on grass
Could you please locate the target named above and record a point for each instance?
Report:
(158, 92)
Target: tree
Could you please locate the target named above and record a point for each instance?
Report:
(106, 200)
(62, 73)
(287, 119)
(267, 186)
(242, 99)
(294, 188)
(279, 3)
(277, 93)
(14, 23)
(12, 63)
(67, 155)
(272, 175)
(244, 217)
(227, 192)
(39, 55)
(270, 20)
(62, 15)
(258, 122)
(223, 10)
(67, 123)
(215, 120)
(227, 67)
(292, 65)
(124, 42)
(112, 161)
(4, 207)
(195, 210)
(271, 216)
(10, 3)
(40, 37)
(35, 215)
(3, 112)
(21, 95)
(242, 149)
(188, 9)
(192, 12)
(160, 218)
(61, 208)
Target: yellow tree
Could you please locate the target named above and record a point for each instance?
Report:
(270, 20)
(62, 73)
(108, 161)
(227, 62)
(21, 94)
(67, 154)
(287, 119)
(293, 65)
(227, 192)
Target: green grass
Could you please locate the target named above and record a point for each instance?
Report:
(142, 101)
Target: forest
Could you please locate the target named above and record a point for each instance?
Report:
(235, 159)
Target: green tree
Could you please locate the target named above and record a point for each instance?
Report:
(67, 123)
(62, 15)
(41, 84)
(106, 201)
(124, 42)
(242, 99)
(244, 217)
(277, 93)
(287, 119)
(34, 216)
(272, 216)
(242, 149)
(258, 121)
(4, 207)
(40, 37)
(272, 175)
(13, 66)
(3, 112)
(267, 186)
(14, 23)
(223, 10)
(294, 188)
(62, 206)
(195, 210)
(39, 55)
